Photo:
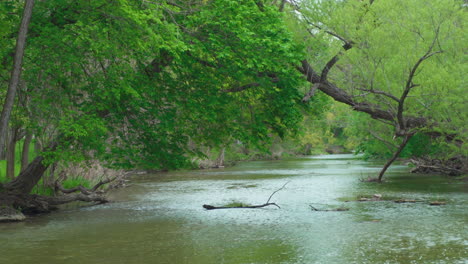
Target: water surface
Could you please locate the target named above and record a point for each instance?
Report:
(160, 219)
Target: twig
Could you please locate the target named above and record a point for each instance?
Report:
(277, 191)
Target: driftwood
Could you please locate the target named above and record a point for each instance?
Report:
(378, 197)
(453, 167)
(406, 201)
(58, 186)
(436, 203)
(18, 203)
(267, 203)
(210, 207)
(341, 209)
(34, 204)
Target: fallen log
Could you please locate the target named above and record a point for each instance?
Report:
(211, 207)
(406, 201)
(453, 167)
(340, 209)
(436, 203)
(241, 206)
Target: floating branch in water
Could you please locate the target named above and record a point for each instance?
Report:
(267, 203)
(341, 209)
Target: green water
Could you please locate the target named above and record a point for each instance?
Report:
(160, 219)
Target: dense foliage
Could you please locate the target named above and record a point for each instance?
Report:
(155, 83)
(149, 83)
(402, 58)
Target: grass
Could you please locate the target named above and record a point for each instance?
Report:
(236, 204)
(18, 150)
(41, 188)
(3, 178)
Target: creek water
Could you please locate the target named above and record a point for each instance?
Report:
(160, 219)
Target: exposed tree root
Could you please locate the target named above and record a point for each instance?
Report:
(30, 204)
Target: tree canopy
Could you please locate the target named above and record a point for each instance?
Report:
(151, 83)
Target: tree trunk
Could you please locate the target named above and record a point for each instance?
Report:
(395, 156)
(16, 72)
(10, 155)
(25, 151)
(37, 147)
(30, 176)
(220, 159)
(3, 146)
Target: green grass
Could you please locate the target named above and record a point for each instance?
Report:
(18, 150)
(3, 178)
(236, 204)
(40, 188)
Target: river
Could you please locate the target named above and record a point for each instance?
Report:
(160, 219)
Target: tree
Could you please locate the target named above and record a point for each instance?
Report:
(15, 73)
(391, 59)
(132, 84)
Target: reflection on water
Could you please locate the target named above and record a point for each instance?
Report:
(159, 219)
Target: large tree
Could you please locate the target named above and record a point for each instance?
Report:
(15, 72)
(148, 83)
(401, 62)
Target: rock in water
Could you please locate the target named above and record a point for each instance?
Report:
(8, 214)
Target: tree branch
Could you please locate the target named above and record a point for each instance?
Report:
(373, 91)
(81, 188)
(328, 66)
(410, 84)
(347, 43)
(311, 92)
(282, 187)
(211, 207)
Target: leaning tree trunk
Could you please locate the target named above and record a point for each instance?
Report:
(15, 73)
(30, 176)
(394, 157)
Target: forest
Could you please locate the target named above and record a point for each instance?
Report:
(103, 87)
(335, 129)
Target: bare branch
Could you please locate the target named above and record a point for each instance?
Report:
(328, 66)
(310, 93)
(81, 188)
(63, 199)
(373, 91)
(347, 43)
(276, 191)
(211, 207)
